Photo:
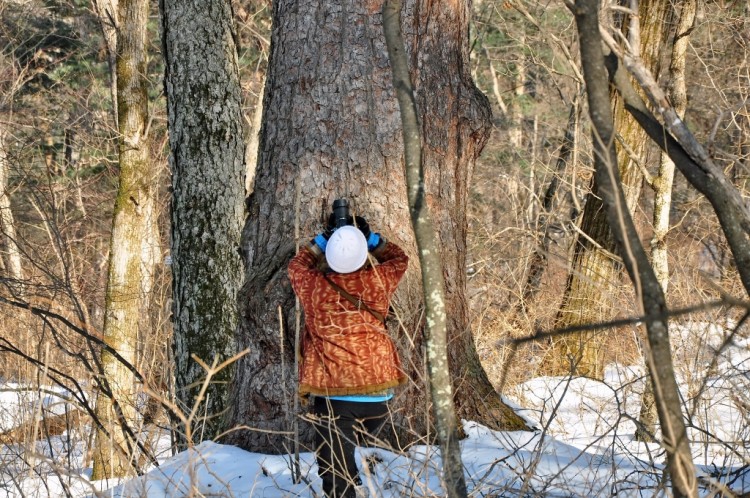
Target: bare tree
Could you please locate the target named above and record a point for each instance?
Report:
(207, 143)
(11, 257)
(433, 284)
(12, 77)
(668, 131)
(662, 185)
(663, 181)
(134, 247)
(595, 268)
(647, 287)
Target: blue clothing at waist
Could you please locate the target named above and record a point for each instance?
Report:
(364, 398)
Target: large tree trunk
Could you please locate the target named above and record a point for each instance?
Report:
(595, 273)
(332, 129)
(455, 118)
(133, 252)
(206, 138)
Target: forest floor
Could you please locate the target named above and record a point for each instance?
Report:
(584, 446)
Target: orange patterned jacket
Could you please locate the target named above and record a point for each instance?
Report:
(346, 350)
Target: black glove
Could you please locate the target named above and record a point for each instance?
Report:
(321, 240)
(363, 226)
(372, 238)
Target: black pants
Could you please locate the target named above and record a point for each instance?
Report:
(340, 427)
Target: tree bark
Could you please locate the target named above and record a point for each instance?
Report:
(251, 151)
(648, 290)
(595, 273)
(433, 285)
(206, 139)
(677, 94)
(332, 129)
(133, 252)
(11, 258)
(662, 186)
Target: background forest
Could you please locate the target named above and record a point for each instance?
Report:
(539, 254)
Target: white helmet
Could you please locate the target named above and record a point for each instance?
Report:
(346, 250)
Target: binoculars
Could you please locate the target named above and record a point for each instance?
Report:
(341, 213)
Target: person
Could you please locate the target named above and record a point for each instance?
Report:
(349, 362)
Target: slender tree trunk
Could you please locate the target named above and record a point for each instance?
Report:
(515, 116)
(677, 94)
(433, 285)
(331, 129)
(206, 139)
(648, 290)
(251, 152)
(662, 185)
(595, 273)
(107, 11)
(132, 250)
(8, 238)
(72, 164)
(742, 164)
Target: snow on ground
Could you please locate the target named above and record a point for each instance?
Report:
(584, 446)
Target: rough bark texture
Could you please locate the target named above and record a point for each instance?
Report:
(455, 119)
(332, 129)
(594, 272)
(648, 290)
(132, 253)
(207, 161)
